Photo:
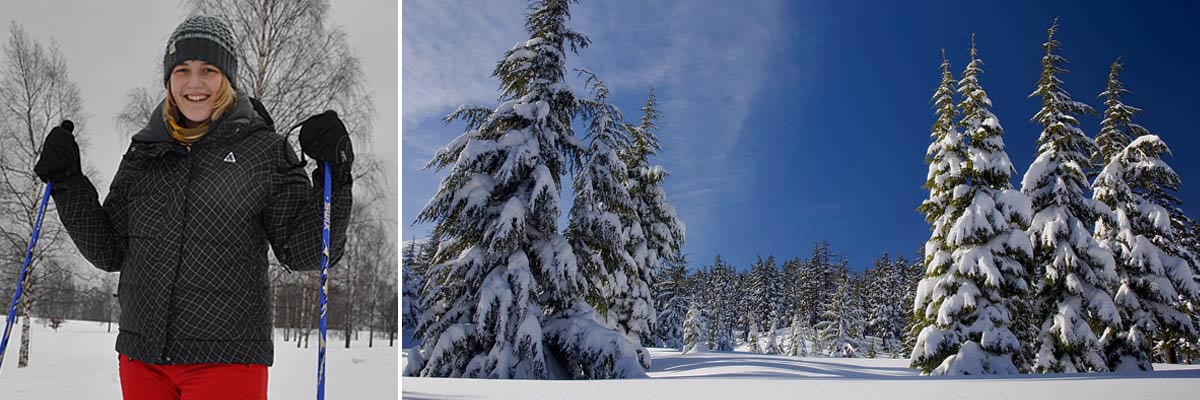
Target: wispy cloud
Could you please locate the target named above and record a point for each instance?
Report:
(708, 60)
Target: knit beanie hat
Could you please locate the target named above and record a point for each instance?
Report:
(203, 38)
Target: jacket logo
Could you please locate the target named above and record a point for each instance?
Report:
(230, 158)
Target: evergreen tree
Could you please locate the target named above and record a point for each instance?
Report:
(598, 221)
(411, 302)
(505, 290)
(656, 232)
(671, 296)
(969, 306)
(695, 330)
(796, 341)
(817, 282)
(770, 345)
(752, 337)
(1153, 265)
(722, 282)
(1072, 270)
(843, 320)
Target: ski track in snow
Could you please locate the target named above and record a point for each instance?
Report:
(78, 362)
(740, 375)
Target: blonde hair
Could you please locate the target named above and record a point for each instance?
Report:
(225, 97)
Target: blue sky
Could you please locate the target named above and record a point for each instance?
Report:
(864, 122)
(785, 123)
(724, 73)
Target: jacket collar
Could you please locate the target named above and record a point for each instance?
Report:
(234, 125)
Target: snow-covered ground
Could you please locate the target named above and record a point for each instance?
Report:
(78, 362)
(739, 376)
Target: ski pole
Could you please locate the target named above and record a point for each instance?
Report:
(12, 310)
(324, 283)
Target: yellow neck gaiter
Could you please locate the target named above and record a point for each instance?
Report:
(186, 136)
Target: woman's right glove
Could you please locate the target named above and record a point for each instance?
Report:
(60, 155)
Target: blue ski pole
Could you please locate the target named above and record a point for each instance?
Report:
(37, 228)
(324, 285)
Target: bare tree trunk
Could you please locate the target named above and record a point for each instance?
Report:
(26, 306)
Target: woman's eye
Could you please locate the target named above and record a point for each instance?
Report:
(210, 70)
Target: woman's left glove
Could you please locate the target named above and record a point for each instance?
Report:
(59, 158)
(324, 138)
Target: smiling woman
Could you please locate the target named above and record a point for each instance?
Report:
(194, 290)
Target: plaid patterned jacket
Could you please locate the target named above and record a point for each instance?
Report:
(188, 228)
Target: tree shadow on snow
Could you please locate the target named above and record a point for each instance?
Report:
(407, 395)
(783, 367)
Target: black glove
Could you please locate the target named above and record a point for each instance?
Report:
(60, 155)
(323, 137)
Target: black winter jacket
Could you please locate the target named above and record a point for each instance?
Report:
(188, 228)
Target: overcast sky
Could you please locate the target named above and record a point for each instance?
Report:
(113, 46)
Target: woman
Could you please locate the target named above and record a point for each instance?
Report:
(199, 195)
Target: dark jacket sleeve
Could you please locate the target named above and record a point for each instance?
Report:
(100, 232)
(294, 216)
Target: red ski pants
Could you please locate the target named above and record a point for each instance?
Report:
(143, 381)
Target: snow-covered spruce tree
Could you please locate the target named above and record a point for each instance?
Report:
(971, 303)
(654, 231)
(770, 345)
(796, 345)
(411, 303)
(843, 321)
(946, 158)
(763, 292)
(886, 308)
(1072, 270)
(1154, 267)
(663, 231)
(597, 231)
(506, 295)
(724, 302)
(753, 336)
(695, 330)
(671, 300)
(816, 283)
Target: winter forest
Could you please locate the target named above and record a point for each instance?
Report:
(1082, 262)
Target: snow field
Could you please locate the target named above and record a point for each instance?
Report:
(78, 362)
(739, 375)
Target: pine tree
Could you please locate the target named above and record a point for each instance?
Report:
(946, 158)
(695, 330)
(411, 302)
(671, 294)
(752, 337)
(771, 345)
(1072, 270)
(656, 232)
(796, 340)
(843, 320)
(970, 305)
(1153, 265)
(722, 282)
(598, 220)
(507, 295)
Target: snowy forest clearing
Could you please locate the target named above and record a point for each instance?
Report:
(78, 362)
(741, 375)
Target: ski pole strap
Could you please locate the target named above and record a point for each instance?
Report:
(324, 281)
(12, 309)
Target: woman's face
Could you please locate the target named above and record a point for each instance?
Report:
(194, 86)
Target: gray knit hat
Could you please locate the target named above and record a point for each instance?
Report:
(202, 38)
